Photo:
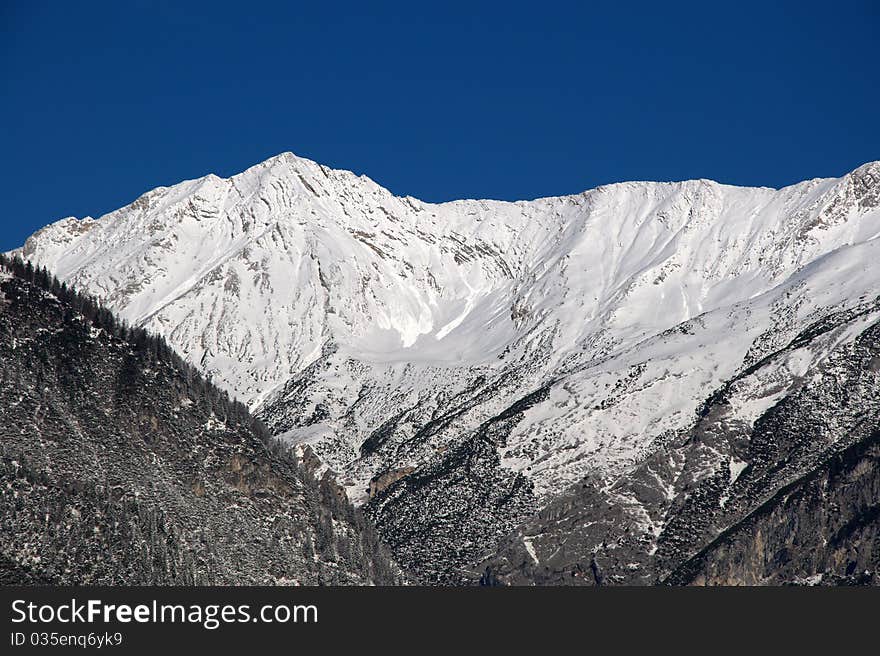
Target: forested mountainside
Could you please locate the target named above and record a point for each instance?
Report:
(121, 464)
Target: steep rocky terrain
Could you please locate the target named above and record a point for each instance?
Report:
(119, 464)
(792, 497)
(465, 367)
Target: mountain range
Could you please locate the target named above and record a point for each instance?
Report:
(646, 382)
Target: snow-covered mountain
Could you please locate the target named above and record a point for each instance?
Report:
(569, 337)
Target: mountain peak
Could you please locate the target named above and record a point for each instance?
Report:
(543, 340)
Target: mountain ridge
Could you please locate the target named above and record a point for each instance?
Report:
(387, 333)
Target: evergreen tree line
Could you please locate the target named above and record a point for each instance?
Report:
(147, 345)
(362, 547)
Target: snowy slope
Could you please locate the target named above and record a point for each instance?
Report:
(383, 329)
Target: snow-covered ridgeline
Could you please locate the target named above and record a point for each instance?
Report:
(633, 300)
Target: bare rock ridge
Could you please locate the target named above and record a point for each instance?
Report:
(120, 464)
(464, 368)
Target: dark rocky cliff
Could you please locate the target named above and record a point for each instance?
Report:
(822, 528)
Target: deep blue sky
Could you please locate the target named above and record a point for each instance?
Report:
(103, 101)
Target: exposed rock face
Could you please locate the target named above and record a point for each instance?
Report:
(822, 528)
(119, 467)
(381, 483)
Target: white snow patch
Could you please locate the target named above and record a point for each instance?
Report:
(527, 541)
(736, 468)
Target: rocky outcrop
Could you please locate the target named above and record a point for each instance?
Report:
(821, 529)
(381, 483)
